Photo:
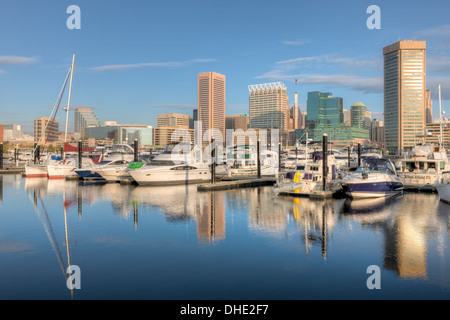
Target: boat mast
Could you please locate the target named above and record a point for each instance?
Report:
(440, 120)
(68, 102)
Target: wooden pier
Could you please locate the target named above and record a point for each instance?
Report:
(241, 182)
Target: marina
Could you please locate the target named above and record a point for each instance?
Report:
(174, 242)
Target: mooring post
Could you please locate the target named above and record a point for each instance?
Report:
(279, 157)
(213, 162)
(1, 156)
(136, 148)
(359, 154)
(35, 153)
(348, 157)
(324, 160)
(258, 160)
(80, 152)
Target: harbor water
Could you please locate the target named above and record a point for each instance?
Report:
(174, 242)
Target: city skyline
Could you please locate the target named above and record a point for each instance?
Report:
(137, 60)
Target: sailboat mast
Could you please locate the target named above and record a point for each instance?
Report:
(70, 92)
(440, 119)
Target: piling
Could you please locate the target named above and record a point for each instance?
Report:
(80, 152)
(213, 162)
(324, 161)
(258, 159)
(136, 148)
(1, 156)
(359, 154)
(279, 156)
(348, 157)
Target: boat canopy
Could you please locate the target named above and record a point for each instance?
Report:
(377, 165)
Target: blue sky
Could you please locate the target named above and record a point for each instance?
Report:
(135, 59)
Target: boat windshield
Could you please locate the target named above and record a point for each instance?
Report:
(374, 165)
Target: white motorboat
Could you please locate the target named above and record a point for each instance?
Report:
(171, 167)
(376, 177)
(66, 169)
(244, 162)
(444, 192)
(426, 166)
(308, 176)
(117, 170)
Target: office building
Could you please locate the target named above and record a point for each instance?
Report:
(85, 118)
(404, 94)
(45, 129)
(377, 132)
(121, 133)
(323, 108)
(358, 115)
(175, 120)
(269, 108)
(211, 104)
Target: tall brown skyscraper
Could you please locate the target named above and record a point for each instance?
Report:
(404, 94)
(211, 103)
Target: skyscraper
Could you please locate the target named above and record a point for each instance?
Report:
(357, 114)
(269, 108)
(211, 103)
(323, 108)
(404, 94)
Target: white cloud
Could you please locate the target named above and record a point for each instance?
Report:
(170, 64)
(298, 42)
(14, 60)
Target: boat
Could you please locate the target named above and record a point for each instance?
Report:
(119, 157)
(118, 170)
(170, 167)
(66, 168)
(308, 176)
(426, 166)
(444, 192)
(376, 177)
(243, 162)
(371, 152)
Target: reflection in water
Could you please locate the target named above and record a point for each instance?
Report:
(405, 223)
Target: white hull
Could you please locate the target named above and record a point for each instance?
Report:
(114, 174)
(61, 171)
(35, 171)
(444, 192)
(161, 175)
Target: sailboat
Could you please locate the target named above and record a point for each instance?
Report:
(66, 167)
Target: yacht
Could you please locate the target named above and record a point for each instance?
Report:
(243, 162)
(371, 152)
(118, 170)
(308, 176)
(444, 192)
(426, 166)
(171, 167)
(376, 177)
(119, 157)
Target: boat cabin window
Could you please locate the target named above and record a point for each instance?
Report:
(183, 168)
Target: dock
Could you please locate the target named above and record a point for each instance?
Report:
(328, 194)
(241, 182)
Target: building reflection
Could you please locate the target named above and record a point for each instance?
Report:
(211, 217)
(405, 222)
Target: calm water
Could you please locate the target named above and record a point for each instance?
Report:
(133, 242)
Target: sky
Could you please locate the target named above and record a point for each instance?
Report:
(136, 59)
